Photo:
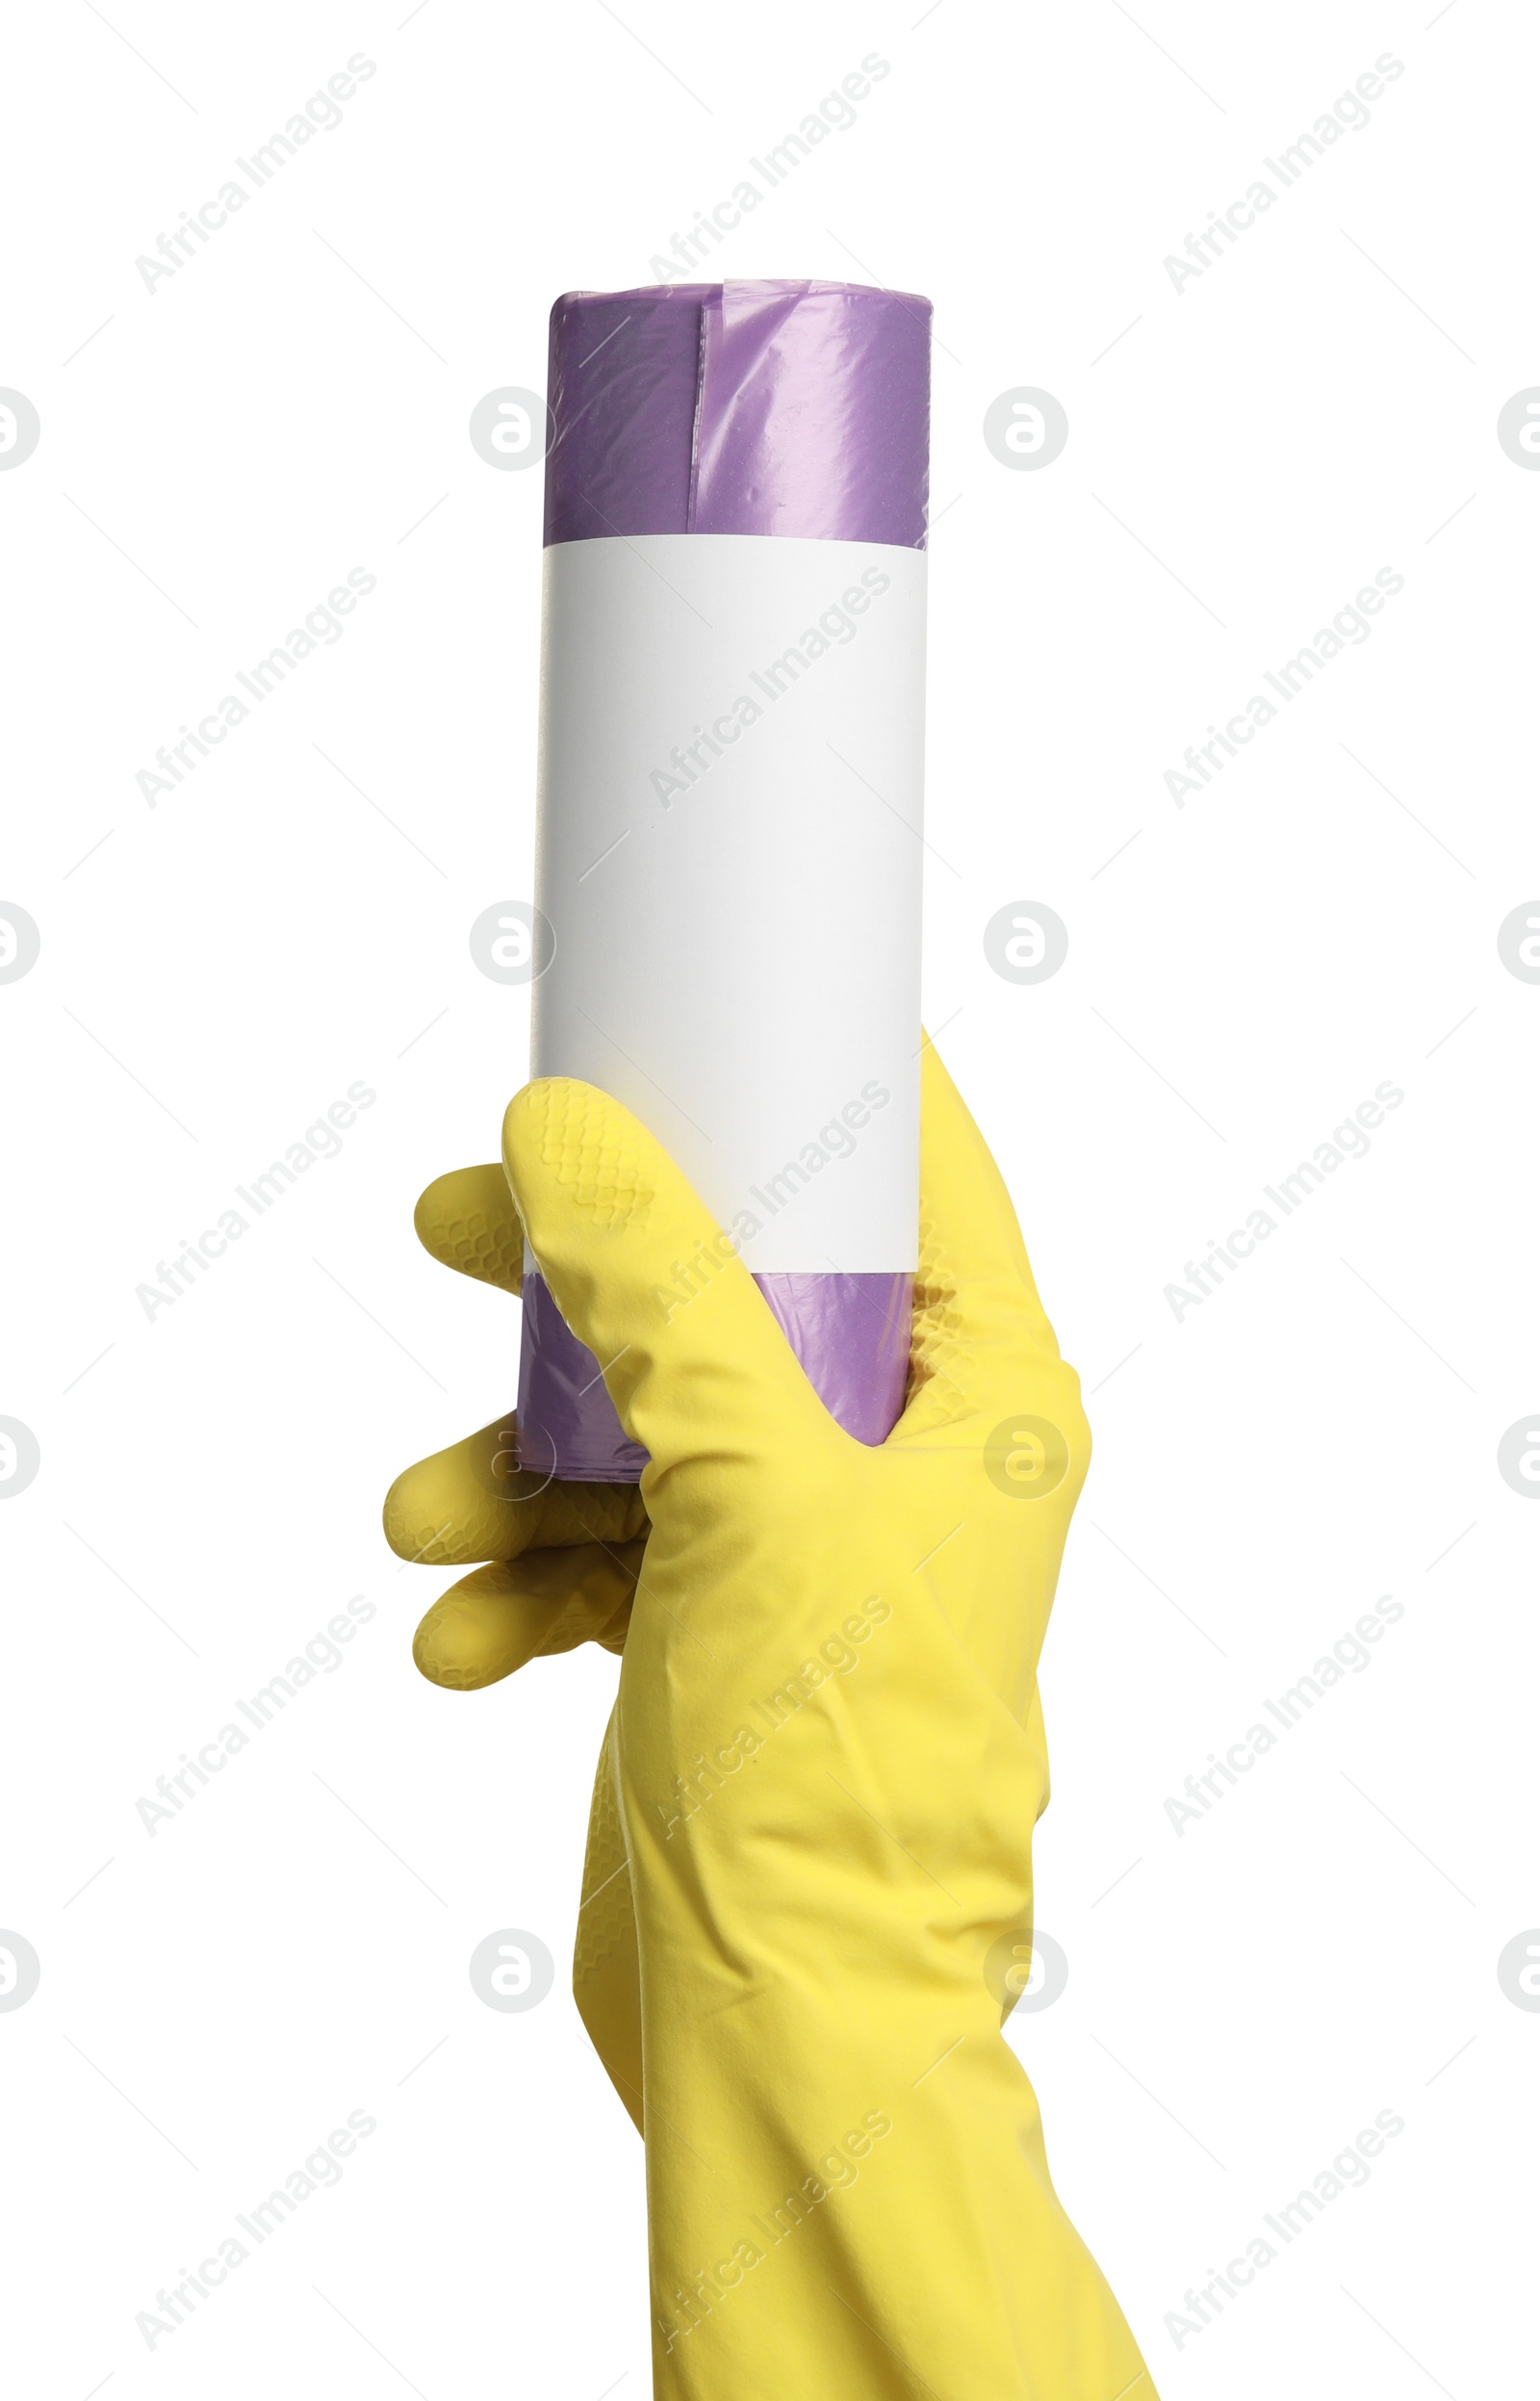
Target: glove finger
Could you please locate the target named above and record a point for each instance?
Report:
(490, 1623)
(473, 1502)
(691, 1355)
(468, 1221)
(978, 1326)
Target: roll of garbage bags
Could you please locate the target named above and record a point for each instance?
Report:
(730, 811)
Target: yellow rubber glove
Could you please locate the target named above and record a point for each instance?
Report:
(810, 1849)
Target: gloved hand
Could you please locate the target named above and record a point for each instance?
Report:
(812, 1819)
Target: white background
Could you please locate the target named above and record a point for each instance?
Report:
(1244, 455)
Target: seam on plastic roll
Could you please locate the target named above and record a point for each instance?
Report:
(697, 420)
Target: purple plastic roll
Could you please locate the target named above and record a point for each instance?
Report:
(797, 411)
(789, 408)
(850, 1333)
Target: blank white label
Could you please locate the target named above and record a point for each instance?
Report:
(732, 731)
